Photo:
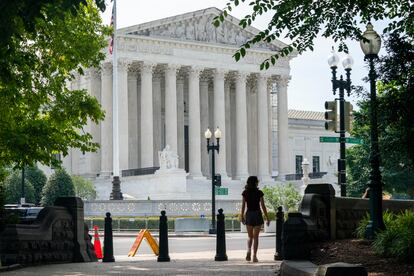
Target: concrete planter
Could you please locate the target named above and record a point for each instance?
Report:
(271, 228)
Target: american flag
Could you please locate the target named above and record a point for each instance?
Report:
(111, 41)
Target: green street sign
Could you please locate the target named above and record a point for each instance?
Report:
(222, 191)
(349, 140)
(353, 140)
(327, 139)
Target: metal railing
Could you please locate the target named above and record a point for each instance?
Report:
(298, 176)
(139, 171)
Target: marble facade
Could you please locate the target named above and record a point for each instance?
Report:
(176, 77)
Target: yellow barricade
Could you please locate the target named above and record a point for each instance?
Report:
(144, 233)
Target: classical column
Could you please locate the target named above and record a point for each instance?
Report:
(95, 91)
(194, 123)
(263, 128)
(158, 121)
(171, 107)
(204, 107)
(180, 122)
(227, 116)
(241, 127)
(106, 124)
(123, 65)
(283, 136)
(220, 120)
(133, 75)
(147, 131)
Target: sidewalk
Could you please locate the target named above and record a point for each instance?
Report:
(183, 234)
(198, 263)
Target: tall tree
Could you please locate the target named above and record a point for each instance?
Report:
(42, 44)
(302, 21)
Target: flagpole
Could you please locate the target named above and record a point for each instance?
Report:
(116, 182)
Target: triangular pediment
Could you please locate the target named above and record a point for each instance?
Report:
(197, 27)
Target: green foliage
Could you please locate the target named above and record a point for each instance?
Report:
(38, 179)
(44, 45)
(59, 184)
(84, 188)
(281, 195)
(387, 216)
(13, 189)
(302, 21)
(398, 238)
(395, 124)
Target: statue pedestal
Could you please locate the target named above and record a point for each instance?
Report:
(170, 180)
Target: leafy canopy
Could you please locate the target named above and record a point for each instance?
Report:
(302, 21)
(59, 184)
(84, 188)
(42, 44)
(281, 195)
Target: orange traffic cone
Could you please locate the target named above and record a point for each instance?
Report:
(97, 243)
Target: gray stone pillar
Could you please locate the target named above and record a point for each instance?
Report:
(133, 117)
(204, 113)
(123, 65)
(241, 127)
(106, 124)
(263, 128)
(283, 136)
(171, 107)
(180, 121)
(194, 123)
(147, 131)
(158, 121)
(220, 120)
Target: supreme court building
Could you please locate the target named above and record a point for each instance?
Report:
(176, 77)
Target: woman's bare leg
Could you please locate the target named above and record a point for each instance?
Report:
(256, 231)
(249, 241)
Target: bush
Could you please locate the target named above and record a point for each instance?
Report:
(38, 180)
(13, 189)
(397, 240)
(387, 216)
(281, 195)
(59, 184)
(84, 188)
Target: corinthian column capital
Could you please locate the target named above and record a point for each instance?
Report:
(123, 64)
(106, 69)
(148, 67)
(283, 80)
(219, 73)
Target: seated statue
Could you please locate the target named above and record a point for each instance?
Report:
(168, 159)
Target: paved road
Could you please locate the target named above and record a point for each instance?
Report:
(122, 245)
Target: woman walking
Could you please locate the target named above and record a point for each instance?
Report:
(253, 198)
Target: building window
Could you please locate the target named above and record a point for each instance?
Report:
(299, 159)
(315, 164)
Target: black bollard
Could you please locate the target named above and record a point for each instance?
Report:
(163, 236)
(280, 218)
(221, 238)
(108, 240)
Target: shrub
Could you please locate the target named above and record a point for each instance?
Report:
(281, 195)
(59, 184)
(84, 188)
(387, 216)
(13, 189)
(38, 180)
(397, 240)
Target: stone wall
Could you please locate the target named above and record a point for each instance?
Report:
(154, 207)
(350, 211)
(58, 235)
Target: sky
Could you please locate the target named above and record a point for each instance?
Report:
(310, 85)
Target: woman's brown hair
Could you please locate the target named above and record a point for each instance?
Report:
(251, 183)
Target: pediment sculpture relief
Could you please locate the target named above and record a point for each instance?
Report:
(201, 29)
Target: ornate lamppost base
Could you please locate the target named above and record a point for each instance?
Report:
(116, 189)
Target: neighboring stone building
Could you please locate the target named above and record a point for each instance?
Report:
(176, 77)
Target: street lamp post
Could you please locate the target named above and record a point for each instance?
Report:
(371, 45)
(214, 178)
(342, 85)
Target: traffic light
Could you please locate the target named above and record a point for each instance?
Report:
(217, 180)
(348, 116)
(331, 116)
